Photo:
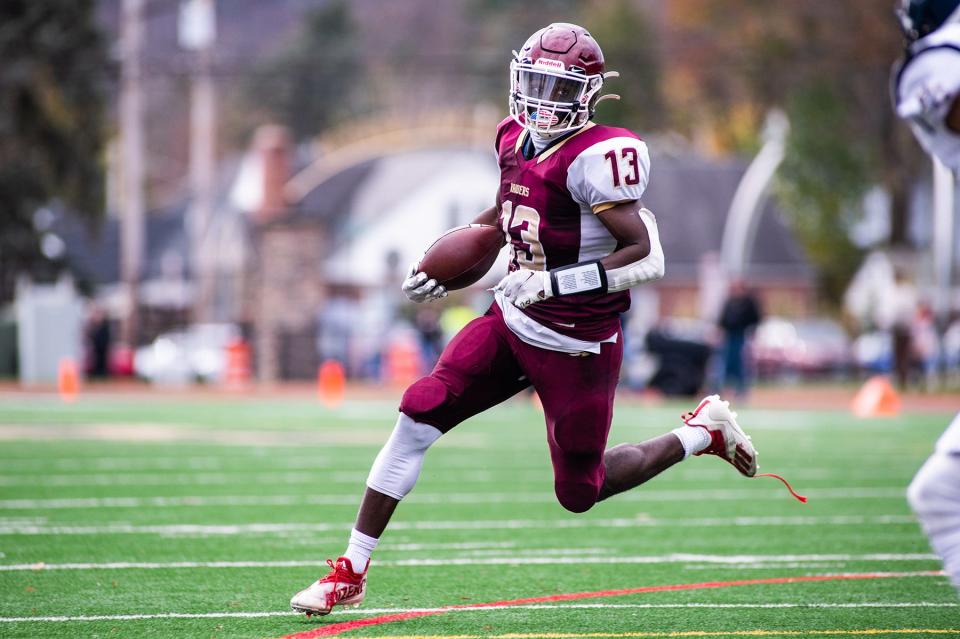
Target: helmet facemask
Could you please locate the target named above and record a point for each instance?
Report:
(547, 99)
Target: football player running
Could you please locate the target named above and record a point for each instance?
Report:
(926, 93)
(569, 206)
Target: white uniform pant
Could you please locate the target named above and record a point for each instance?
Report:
(934, 495)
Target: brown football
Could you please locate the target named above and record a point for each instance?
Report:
(461, 256)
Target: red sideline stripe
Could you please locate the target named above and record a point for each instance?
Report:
(337, 628)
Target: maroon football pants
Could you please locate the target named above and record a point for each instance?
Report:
(486, 364)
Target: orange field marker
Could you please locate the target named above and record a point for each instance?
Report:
(331, 383)
(876, 398)
(402, 363)
(237, 373)
(68, 380)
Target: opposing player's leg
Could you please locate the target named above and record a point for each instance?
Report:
(477, 370)
(934, 495)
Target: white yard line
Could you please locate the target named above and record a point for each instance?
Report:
(185, 478)
(674, 558)
(771, 493)
(185, 464)
(207, 530)
(383, 611)
(459, 545)
(176, 501)
(159, 433)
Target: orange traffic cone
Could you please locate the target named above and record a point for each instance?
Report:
(331, 383)
(403, 363)
(68, 380)
(237, 373)
(876, 398)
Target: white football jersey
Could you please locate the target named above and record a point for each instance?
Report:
(925, 86)
(593, 185)
(590, 177)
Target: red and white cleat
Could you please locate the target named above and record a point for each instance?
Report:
(341, 587)
(727, 439)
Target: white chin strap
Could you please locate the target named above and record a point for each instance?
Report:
(541, 140)
(397, 467)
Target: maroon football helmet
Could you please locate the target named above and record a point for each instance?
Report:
(555, 79)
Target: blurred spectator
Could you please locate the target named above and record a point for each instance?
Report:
(334, 330)
(951, 352)
(430, 336)
(902, 309)
(740, 314)
(454, 318)
(98, 343)
(926, 350)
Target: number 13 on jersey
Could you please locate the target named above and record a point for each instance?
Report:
(632, 174)
(521, 224)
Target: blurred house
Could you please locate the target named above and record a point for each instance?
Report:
(351, 223)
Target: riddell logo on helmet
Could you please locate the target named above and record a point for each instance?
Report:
(554, 65)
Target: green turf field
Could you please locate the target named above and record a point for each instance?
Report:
(200, 517)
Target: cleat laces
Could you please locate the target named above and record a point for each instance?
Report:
(801, 498)
(335, 570)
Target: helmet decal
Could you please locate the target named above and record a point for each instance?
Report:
(547, 63)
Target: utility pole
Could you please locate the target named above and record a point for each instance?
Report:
(131, 152)
(198, 33)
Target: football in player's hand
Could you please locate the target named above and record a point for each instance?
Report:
(461, 256)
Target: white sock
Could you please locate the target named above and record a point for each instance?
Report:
(359, 549)
(692, 438)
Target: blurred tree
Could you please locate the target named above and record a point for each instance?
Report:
(312, 83)
(823, 177)
(52, 91)
(502, 26)
(827, 63)
(630, 46)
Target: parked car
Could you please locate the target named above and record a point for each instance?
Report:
(813, 346)
(197, 353)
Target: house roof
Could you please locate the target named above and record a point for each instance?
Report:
(93, 252)
(691, 197)
(333, 200)
(386, 209)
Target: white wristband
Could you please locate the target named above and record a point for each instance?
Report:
(585, 277)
